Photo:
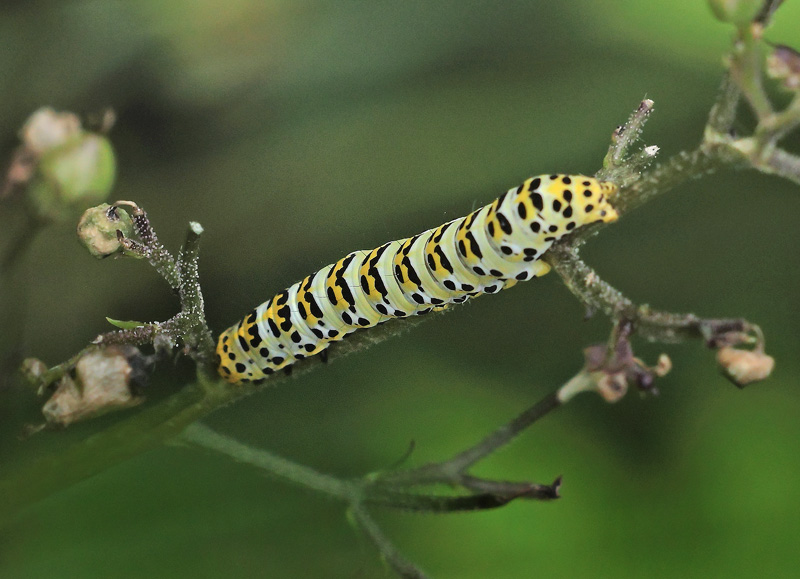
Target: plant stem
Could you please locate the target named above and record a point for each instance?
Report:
(399, 564)
(304, 476)
(453, 469)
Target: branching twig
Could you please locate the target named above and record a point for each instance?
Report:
(188, 326)
(657, 326)
(453, 470)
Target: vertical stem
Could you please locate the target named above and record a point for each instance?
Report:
(746, 68)
(198, 336)
(723, 113)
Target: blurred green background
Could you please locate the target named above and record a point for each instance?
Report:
(296, 131)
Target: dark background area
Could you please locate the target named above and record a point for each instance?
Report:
(297, 131)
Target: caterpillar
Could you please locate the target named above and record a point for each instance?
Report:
(490, 249)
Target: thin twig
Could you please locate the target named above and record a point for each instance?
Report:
(746, 68)
(502, 435)
(658, 326)
(627, 135)
(497, 496)
(453, 470)
(399, 564)
(512, 490)
(150, 247)
(383, 488)
(723, 112)
(277, 466)
(784, 165)
(198, 336)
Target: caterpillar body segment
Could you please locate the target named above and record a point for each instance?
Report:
(490, 249)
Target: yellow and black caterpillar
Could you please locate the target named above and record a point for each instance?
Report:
(490, 249)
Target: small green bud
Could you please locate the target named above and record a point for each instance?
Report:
(72, 175)
(98, 227)
(738, 12)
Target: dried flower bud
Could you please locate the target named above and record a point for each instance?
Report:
(612, 387)
(72, 175)
(98, 227)
(611, 375)
(595, 356)
(663, 366)
(32, 370)
(738, 12)
(46, 129)
(784, 64)
(65, 405)
(743, 367)
(102, 383)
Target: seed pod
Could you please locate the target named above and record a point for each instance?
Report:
(75, 174)
(98, 227)
(42, 131)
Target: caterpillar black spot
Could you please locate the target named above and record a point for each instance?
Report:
(484, 252)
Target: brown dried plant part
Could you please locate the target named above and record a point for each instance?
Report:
(105, 380)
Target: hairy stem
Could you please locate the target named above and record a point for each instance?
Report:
(658, 326)
(784, 165)
(723, 112)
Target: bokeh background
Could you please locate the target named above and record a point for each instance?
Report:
(297, 131)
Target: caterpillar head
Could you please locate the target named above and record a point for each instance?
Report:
(589, 198)
(573, 200)
(593, 200)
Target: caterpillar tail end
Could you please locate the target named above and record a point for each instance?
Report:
(226, 366)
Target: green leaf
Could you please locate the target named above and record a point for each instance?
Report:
(122, 325)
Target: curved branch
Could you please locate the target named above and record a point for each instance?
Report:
(655, 325)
